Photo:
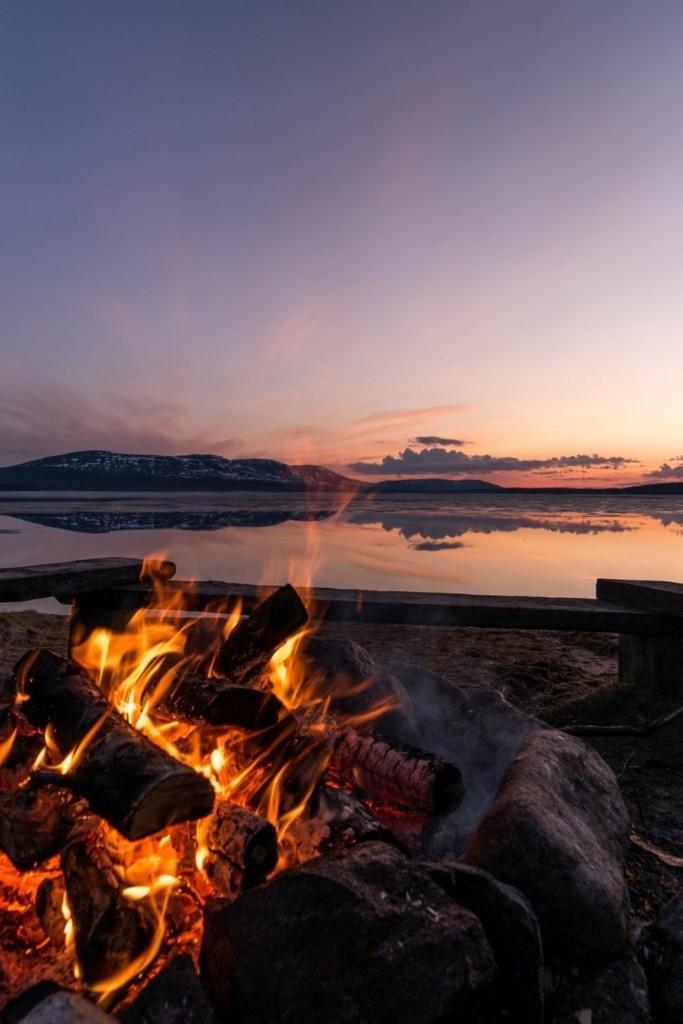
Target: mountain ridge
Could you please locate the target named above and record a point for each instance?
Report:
(102, 470)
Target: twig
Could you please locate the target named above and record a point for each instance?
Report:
(666, 858)
(624, 730)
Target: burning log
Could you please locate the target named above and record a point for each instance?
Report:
(391, 773)
(242, 837)
(49, 909)
(199, 700)
(130, 782)
(248, 649)
(349, 820)
(34, 824)
(110, 930)
(237, 849)
(226, 878)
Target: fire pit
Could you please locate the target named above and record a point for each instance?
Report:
(229, 792)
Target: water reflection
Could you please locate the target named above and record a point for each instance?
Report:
(534, 544)
(100, 521)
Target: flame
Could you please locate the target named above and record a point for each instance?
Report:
(6, 746)
(136, 668)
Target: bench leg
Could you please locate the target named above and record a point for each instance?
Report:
(652, 662)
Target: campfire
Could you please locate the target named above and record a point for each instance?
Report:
(180, 760)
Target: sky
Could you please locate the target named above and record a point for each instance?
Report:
(394, 238)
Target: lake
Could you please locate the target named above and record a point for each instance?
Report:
(498, 544)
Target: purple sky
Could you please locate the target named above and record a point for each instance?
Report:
(322, 231)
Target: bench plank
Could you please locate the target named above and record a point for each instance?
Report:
(647, 595)
(410, 608)
(66, 579)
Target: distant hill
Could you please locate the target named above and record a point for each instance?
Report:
(112, 471)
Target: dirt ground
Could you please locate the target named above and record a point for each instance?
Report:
(563, 678)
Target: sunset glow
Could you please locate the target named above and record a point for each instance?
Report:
(344, 227)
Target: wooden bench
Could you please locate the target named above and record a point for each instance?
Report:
(648, 616)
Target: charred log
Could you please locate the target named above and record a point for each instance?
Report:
(49, 909)
(198, 700)
(242, 837)
(226, 878)
(130, 782)
(34, 824)
(349, 820)
(246, 652)
(390, 773)
(110, 930)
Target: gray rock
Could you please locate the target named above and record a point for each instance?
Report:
(362, 937)
(66, 1008)
(616, 994)
(512, 930)
(174, 996)
(665, 962)
(558, 831)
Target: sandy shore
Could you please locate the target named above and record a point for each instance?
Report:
(564, 678)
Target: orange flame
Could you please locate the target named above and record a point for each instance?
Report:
(136, 668)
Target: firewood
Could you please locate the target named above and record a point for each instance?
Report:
(110, 930)
(245, 654)
(200, 700)
(34, 824)
(49, 909)
(391, 773)
(242, 837)
(130, 782)
(349, 820)
(226, 878)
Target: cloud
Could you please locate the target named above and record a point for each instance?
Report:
(443, 442)
(667, 472)
(399, 417)
(440, 461)
(439, 545)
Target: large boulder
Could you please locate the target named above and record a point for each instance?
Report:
(173, 996)
(613, 994)
(557, 831)
(665, 962)
(512, 929)
(66, 1008)
(365, 936)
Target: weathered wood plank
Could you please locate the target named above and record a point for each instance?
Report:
(647, 595)
(409, 608)
(28, 582)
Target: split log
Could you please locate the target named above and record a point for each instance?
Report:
(349, 820)
(394, 774)
(48, 905)
(110, 930)
(226, 878)
(130, 782)
(242, 837)
(198, 700)
(34, 824)
(245, 654)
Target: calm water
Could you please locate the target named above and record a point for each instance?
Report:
(477, 544)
